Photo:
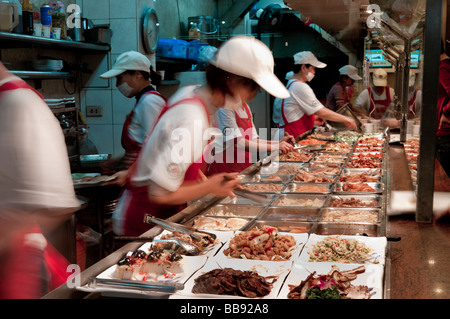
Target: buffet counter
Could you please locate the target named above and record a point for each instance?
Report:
(308, 198)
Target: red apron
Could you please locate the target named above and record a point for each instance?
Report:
(348, 93)
(138, 202)
(295, 128)
(132, 147)
(380, 106)
(27, 272)
(239, 159)
(412, 106)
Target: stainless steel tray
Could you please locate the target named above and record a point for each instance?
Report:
(295, 198)
(352, 214)
(315, 171)
(291, 214)
(239, 200)
(364, 198)
(264, 187)
(248, 211)
(270, 178)
(248, 220)
(291, 188)
(284, 167)
(314, 164)
(354, 171)
(378, 187)
(370, 230)
(282, 226)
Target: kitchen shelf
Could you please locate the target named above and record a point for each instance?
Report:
(42, 75)
(7, 38)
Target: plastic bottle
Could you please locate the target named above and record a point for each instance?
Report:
(27, 13)
(194, 32)
(19, 27)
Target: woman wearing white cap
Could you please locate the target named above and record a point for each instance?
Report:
(169, 168)
(341, 93)
(299, 109)
(236, 148)
(133, 73)
(376, 101)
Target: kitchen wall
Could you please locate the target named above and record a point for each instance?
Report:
(124, 18)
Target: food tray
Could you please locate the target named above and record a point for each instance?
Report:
(300, 239)
(239, 200)
(222, 237)
(299, 197)
(314, 164)
(330, 159)
(351, 214)
(356, 171)
(370, 230)
(246, 211)
(288, 168)
(378, 187)
(270, 178)
(372, 277)
(275, 272)
(291, 188)
(334, 171)
(219, 223)
(377, 244)
(291, 214)
(318, 177)
(264, 187)
(282, 226)
(364, 198)
(325, 136)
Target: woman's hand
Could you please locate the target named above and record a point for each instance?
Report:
(285, 147)
(120, 178)
(350, 123)
(223, 184)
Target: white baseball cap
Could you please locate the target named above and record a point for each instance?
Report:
(130, 60)
(249, 57)
(379, 77)
(350, 71)
(307, 57)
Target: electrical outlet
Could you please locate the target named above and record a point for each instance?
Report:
(94, 111)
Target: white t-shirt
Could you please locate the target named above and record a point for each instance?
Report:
(302, 101)
(363, 100)
(35, 172)
(146, 113)
(227, 125)
(178, 139)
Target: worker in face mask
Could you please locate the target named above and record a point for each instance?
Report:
(134, 76)
(300, 108)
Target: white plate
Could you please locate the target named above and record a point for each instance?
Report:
(263, 268)
(377, 244)
(222, 237)
(372, 277)
(301, 239)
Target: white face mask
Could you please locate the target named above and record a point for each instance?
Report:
(309, 76)
(125, 89)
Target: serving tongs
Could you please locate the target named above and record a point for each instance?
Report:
(160, 287)
(257, 197)
(194, 233)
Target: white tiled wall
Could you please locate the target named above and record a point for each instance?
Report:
(124, 20)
